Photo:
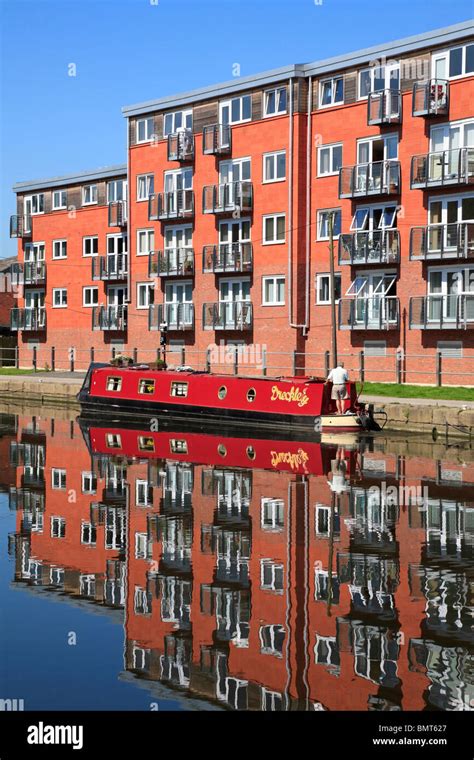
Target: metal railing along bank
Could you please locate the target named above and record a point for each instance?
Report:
(446, 367)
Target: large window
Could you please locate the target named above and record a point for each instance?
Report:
(273, 229)
(145, 294)
(177, 121)
(273, 291)
(236, 110)
(329, 159)
(457, 62)
(323, 223)
(274, 166)
(34, 204)
(275, 101)
(116, 190)
(378, 78)
(323, 288)
(331, 92)
(145, 242)
(374, 218)
(145, 186)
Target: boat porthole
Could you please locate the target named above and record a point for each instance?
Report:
(250, 452)
(251, 393)
(221, 450)
(222, 392)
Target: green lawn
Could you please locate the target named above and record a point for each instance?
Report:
(417, 391)
(14, 371)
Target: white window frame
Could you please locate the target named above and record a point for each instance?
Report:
(448, 127)
(330, 147)
(88, 475)
(58, 526)
(87, 525)
(149, 178)
(274, 565)
(91, 289)
(368, 223)
(319, 215)
(333, 102)
(185, 114)
(93, 188)
(148, 287)
(388, 67)
(273, 277)
(271, 649)
(228, 102)
(319, 277)
(274, 504)
(59, 305)
(274, 217)
(89, 237)
(266, 94)
(112, 187)
(62, 246)
(60, 474)
(141, 545)
(149, 233)
(376, 138)
(62, 205)
(465, 270)
(274, 156)
(37, 197)
(148, 137)
(446, 54)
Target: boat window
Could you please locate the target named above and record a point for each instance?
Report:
(178, 446)
(179, 389)
(146, 386)
(113, 440)
(222, 392)
(146, 443)
(114, 383)
(251, 393)
(221, 450)
(250, 452)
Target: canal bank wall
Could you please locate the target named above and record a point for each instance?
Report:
(435, 417)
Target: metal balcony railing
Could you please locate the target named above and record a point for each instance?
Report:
(109, 318)
(227, 257)
(178, 204)
(228, 315)
(227, 197)
(176, 316)
(384, 107)
(217, 139)
(442, 312)
(172, 262)
(34, 272)
(445, 167)
(442, 241)
(431, 98)
(371, 313)
(181, 146)
(371, 247)
(377, 178)
(20, 226)
(113, 267)
(31, 319)
(118, 214)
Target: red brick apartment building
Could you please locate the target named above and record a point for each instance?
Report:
(218, 226)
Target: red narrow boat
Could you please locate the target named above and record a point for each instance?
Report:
(281, 402)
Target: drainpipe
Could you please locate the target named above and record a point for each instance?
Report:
(308, 206)
(129, 205)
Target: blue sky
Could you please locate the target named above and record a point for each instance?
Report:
(127, 51)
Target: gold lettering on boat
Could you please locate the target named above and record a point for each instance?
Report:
(293, 395)
(294, 459)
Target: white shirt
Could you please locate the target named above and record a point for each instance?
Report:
(338, 376)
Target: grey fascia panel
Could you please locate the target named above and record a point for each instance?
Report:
(71, 179)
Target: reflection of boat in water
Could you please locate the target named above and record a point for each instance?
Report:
(281, 402)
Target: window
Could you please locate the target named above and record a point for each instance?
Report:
(271, 575)
(146, 386)
(331, 92)
(323, 223)
(145, 129)
(457, 62)
(236, 110)
(323, 288)
(178, 446)
(59, 249)
(34, 204)
(274, 166)
(377, 149)
(145, 242)
(89, 482)
(58, 479)
(146, 443)
(90, 296)
(329, 159)
(88, 534)
(375, 347)
(272, 638)
(142, 601)
(143, 493)
(116, 190)
(114, 384)
(272, 511)
(113, 440)
(323, 520)
(59, 298)
(177, 121)
(179, 389)
(273, 291)
(58, 527)
(141, 542)
(451, 349)
(145, 294)
(89, 195)
(275, 101)
(59, 199)
(90, 245)
(379, 78)
(145, 186)
(273, 229)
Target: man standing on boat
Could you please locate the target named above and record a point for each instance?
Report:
(338, 377)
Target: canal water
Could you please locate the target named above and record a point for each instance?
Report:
(146, 569)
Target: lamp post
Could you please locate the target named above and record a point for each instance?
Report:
(163, 339)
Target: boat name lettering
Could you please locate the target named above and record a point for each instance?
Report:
(294, 459)
(294, 394)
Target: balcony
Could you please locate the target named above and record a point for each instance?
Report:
(228, 197)
(176, 316)
(32, 319)
(443, 168)
(20, 226)
(377, 178)
(431, 98)
(227, 257)
(110, 268)
(228, 315)
(372, 247)
(217, 139)
(178, 204)
(34, 273)
(442, 241)
(181, 146)
(172, 262)
(118, 214)
(384, 107)
(371, 313)
(442, 312)
(109, 318)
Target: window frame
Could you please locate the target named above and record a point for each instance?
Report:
(60, 305)
(89, 288)
(330, 147)
(95, 193)
(319, 277)
(185, 112)
(273, 216)
(62, 472)
(273, 277)
(90, 255)
(63, 242)
(30, 198)
(139, 198)
(228, 102)
(150, 286)
(333, 90)
(63, 206)
(266, 93)
(319, 214)
(440, 54)
(145, 120)
(150, 232)
(274, 155)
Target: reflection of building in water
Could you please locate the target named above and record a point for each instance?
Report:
(257, 588)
